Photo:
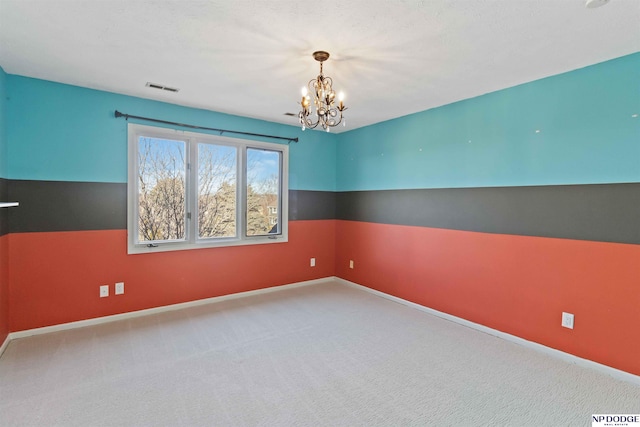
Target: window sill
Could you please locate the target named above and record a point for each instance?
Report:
(184, 246)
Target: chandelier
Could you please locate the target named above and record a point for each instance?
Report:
(326, 113)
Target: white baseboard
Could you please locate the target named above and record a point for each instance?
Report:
(155, 310)
(570, 358)
(4, 345)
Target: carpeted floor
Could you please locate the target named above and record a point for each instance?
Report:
(320, 355)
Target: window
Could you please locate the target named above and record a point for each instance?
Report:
(189, 190)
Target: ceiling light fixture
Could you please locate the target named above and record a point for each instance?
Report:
(327, 113)
(592, 4)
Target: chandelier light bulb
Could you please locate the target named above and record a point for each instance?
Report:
(305, 91)
(341, 96)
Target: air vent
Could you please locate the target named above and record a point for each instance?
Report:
(162, 87)
(290, 114)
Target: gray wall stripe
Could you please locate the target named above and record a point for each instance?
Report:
(599, 212)
(4, 212)
(309, 205)
(75, 206)
(67, 206)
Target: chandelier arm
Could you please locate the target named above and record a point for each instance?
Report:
(312, 125)
(308, 122)
(338, 116)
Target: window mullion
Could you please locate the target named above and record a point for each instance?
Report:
(134, 185)
(242, 193)
(191, 191)
(280, 195)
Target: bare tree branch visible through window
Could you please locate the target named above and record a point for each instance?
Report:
(162, 176)
(263, 170)
(217, 190)
(161, 198)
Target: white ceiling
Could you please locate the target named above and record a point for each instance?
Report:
(251, 57)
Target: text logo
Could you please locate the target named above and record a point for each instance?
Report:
(615, 420)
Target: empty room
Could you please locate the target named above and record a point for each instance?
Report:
(290, 213)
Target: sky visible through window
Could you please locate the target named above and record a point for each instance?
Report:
(262, 165)
(263, 169)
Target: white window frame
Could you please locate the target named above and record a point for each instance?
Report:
(192, 240)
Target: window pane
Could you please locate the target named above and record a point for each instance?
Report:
(161, 189)
(217, 166)
(263, 191)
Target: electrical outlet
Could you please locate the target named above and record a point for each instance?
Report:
(312, 262)
(104, 291)
(567, 320)
(119, 288)
(350, 263)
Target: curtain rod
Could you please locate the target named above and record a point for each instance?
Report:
(129, 116)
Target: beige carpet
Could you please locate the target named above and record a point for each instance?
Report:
(321, 355)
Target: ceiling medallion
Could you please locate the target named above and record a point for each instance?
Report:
(324, 111)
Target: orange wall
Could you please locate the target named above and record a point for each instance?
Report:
(4, 288)
(516, 284)
(55, 276)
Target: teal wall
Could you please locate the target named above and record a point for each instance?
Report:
(59, 132)
(4, 254)
(587, 135)
(3, 113)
